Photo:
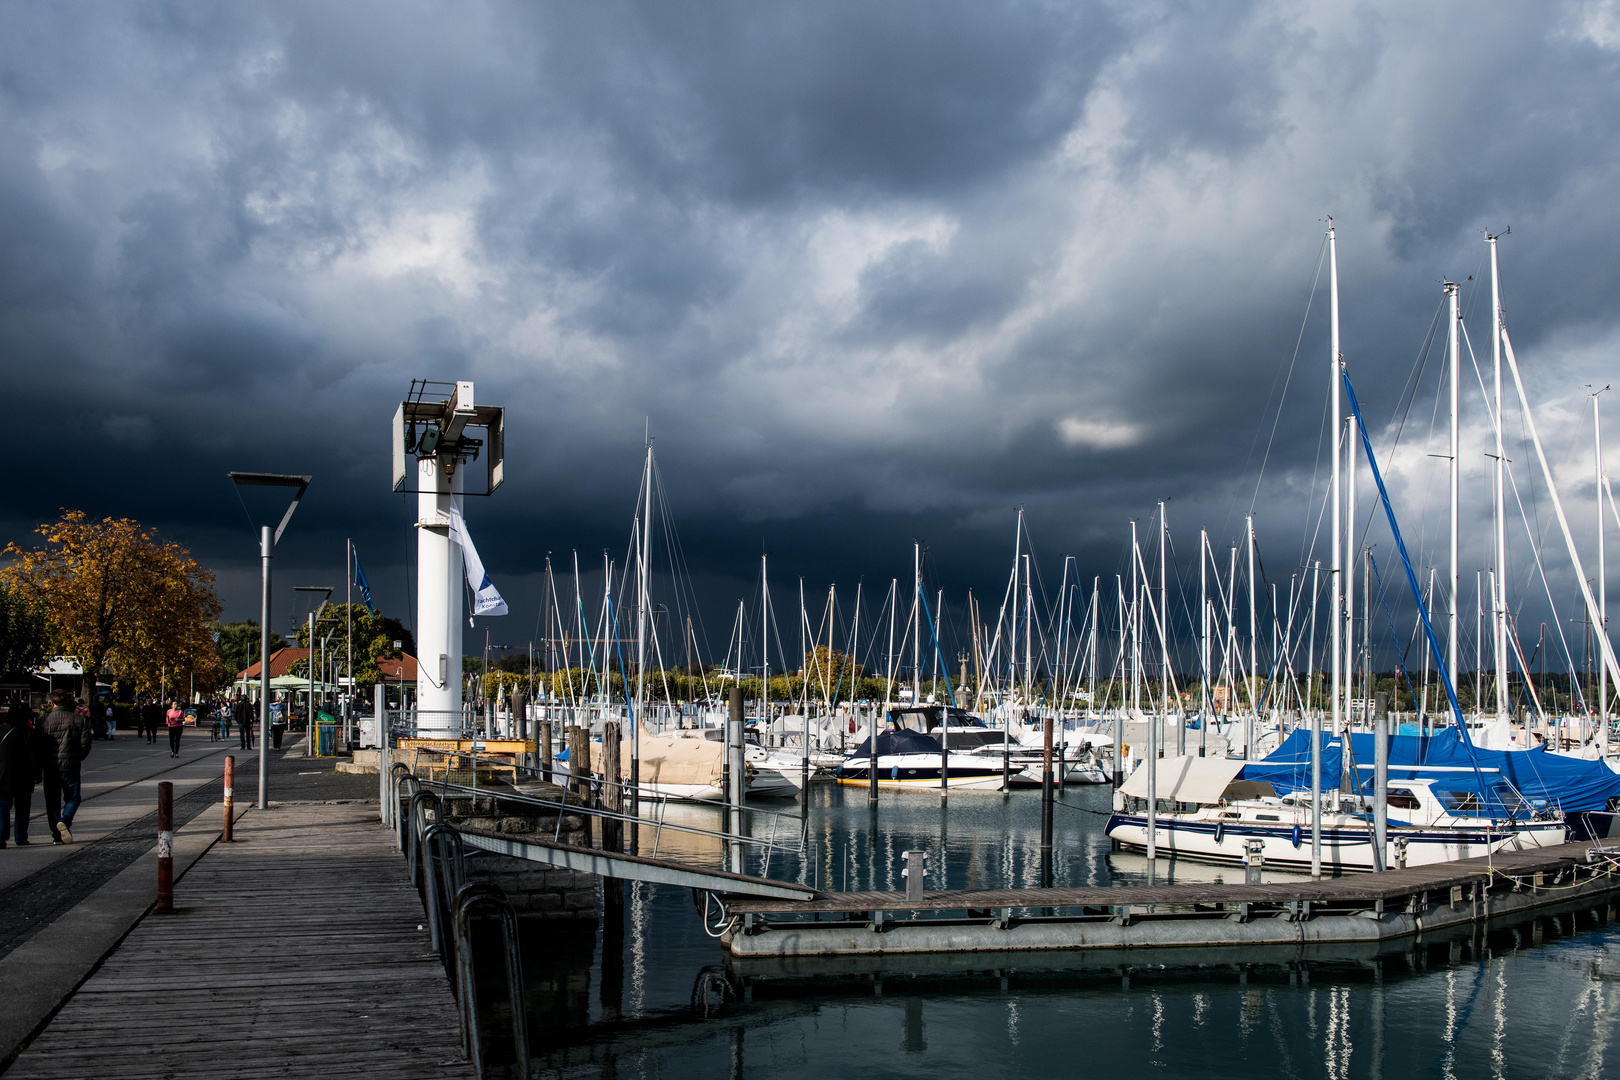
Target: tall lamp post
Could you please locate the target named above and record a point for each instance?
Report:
(268, 539)
(313, 618)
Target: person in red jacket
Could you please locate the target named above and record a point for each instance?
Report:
(175, 718)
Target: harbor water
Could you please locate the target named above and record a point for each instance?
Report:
(647, 992)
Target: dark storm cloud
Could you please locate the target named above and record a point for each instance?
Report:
(871, 272)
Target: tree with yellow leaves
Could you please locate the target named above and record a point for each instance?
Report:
(122, 600)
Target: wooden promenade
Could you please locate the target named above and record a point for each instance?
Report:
(294, 952)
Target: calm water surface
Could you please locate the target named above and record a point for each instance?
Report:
(652, 995)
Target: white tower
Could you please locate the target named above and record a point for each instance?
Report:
(432, 427)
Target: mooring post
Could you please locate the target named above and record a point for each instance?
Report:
(545, 751)
(230, 800)
(385, 770)
(1046, 788)
(579, 769)
(871, 763)
(1381, 781)
(612, 800)
(735, 770)
(165, 898)
(612, 788)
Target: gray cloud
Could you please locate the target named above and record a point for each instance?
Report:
(872, 272)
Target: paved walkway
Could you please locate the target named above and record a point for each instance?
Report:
(294, 952)
(120, 779)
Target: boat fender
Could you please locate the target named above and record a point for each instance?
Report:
(1220, 831)
(894, 772)
(1296, 836)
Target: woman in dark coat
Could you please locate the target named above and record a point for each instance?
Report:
(22, 760)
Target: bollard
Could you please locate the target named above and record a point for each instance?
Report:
(1253, 861)
(165, 900)
(230, 801)
(915, 872)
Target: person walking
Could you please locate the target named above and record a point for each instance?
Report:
(150, 712)
(175, 718)
(22, 762)
(70, 738)
(244, 722)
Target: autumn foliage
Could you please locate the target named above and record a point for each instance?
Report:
(122, 600)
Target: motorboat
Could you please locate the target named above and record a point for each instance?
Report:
(1073, 762)
(1216, 816)
(909, 759)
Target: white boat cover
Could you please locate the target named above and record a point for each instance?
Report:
(684, 758)
(1189, 779)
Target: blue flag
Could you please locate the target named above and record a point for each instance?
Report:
(362, 584)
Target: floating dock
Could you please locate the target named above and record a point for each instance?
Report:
(1363, 908)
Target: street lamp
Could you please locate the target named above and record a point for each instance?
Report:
(268, 540)
(309, 719)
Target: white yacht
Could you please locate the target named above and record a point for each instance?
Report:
(1428, 821)
(910, 759)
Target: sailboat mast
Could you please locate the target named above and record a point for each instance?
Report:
(1335, 368)
(1254, 651)
(1499, 577)
(645, 557)
(1136, 625)
(1203, 640)
(916, 623)
(1164, 632)
(764, 643)
(1350, 430)
(1454, 478)
(1096, 614)
(1602, 583)
(888, 688)
(1029, 636)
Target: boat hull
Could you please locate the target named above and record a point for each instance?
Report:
(1347, 848)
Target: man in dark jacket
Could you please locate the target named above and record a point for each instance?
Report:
(22, 760)
(152, 719)
(70, 733)
(244, 722)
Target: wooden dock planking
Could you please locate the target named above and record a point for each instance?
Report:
(295, 952)
(1348, 890)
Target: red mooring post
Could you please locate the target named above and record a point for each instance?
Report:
(165, 900)
(230, 802)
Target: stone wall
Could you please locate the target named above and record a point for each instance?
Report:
(535, 890)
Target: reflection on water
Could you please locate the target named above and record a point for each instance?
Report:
(653, 995)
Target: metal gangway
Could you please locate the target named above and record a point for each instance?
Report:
(773, 833)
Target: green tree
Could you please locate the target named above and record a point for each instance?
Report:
(238, 645)
(23, 637)
(374, 637)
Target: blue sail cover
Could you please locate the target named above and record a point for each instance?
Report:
(1544, 780)
(901, 741)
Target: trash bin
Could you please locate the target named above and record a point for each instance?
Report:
(326, 739)
(277, 730)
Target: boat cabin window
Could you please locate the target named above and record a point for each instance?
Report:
(1459, 802)
(1267, 817)
(1404, 800)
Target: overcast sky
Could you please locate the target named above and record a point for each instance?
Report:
(869, 271)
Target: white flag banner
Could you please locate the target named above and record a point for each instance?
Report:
(486, 600)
